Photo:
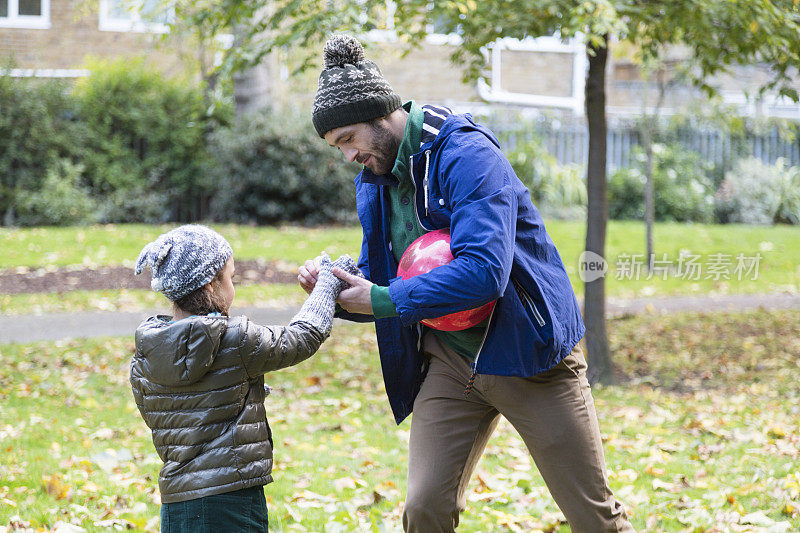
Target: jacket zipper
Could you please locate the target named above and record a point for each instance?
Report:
(425, 183)
(529, 301)
(471, 382)
(474, 374)
(425, 179)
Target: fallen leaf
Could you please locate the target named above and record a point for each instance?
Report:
(55, 486)
(344, 483)
(66, 527)
(662, 485)
(653, 471)
(757, 518)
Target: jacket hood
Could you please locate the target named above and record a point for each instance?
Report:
(178, 353)
(462, 123)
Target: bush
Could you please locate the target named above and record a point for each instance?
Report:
(625, 193)
(37, 130)
(559, 191)
(683, 190)
(564, 186)
(146, 147)
(533, 165)
(272, 167)
(61, 200)
(757, 193)
(128, 145)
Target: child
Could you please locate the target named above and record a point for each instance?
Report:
(198, 381)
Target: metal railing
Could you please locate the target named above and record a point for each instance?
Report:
(569, 142)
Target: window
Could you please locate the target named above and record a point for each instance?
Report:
(517, 68)
(34, 14)
(135, 15)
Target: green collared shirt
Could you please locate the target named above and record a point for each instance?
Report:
(404, 225)
(405, 228)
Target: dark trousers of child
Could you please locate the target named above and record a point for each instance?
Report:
(240, 511)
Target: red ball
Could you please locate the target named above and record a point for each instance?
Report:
(423, 255)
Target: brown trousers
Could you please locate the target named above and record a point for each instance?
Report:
(554, 414)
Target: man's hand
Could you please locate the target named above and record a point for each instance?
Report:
(355, 299)
(308, 273)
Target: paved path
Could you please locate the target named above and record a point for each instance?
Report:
(708, 304)
(30, 328)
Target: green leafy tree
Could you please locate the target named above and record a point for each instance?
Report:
(662, 75)
(717, 34)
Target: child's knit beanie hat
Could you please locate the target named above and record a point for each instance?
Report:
(351, 87)
(184, 259)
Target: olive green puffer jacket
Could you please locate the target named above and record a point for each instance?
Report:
(199, 385)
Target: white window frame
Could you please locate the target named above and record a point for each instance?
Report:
(32, 22)
(494, 92)
(134, 24)
(45, 73)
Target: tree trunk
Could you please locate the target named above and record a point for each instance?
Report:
(649, 196)
(251, 86)
(600, 365)
(651, 128)
(251, 89)
(8, 218)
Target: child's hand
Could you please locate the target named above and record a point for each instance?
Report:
(319, 307)
(308, 274)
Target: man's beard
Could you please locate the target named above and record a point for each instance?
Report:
(385, 147)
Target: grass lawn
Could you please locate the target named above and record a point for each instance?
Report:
(704, 434)
(718, 259)
(120, 244)
(269, 295)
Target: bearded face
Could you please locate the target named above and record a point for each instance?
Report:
(373, 144)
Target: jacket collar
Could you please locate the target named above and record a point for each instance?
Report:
(367, 176)
(453, 123)
(458, 122)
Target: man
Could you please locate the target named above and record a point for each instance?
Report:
(425, 169)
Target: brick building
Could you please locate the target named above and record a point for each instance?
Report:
(53, 38)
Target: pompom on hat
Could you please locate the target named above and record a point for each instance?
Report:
(184, 259)
(351, 87)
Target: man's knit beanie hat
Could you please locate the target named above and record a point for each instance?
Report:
(184, 259)
(351, 87)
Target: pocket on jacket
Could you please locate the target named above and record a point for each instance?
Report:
(529, 304)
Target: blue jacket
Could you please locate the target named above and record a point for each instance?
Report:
(501, 252)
